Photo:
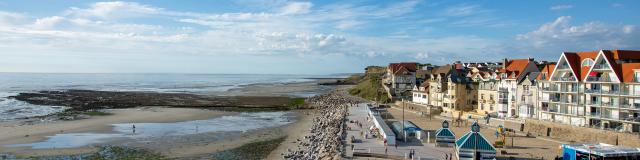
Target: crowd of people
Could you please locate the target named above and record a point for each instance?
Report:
(328, 129)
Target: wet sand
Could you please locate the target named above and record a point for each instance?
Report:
(17, 133)
(191, 146)
(294, 131)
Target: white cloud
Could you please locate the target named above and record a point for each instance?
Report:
(560, 7)
(10, 18)
(116, 9)
(562, 35)
(628, 29)
(296, 8)
(47, 22)
(464, 10)
(422, 56)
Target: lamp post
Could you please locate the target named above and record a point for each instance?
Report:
(404, 135)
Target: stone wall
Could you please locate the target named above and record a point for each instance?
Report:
(580, 134)
(418, 107)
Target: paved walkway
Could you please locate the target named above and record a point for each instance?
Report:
(369, 144)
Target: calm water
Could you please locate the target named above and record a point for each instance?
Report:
(14, 83)
(144, 131)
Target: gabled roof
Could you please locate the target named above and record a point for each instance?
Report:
(442, 70)
(629, 59)
(408, 66)
(575, 59)
(548, 68)
(515, 67)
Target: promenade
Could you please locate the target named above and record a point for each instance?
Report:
(367, 145)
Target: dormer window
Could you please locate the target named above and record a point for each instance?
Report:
(587, 62)
(544, 76)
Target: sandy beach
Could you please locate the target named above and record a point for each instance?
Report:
(19, 133)
(294, 132)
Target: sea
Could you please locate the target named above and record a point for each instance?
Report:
(12, 84)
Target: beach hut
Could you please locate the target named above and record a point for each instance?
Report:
(411, 131)
(473, 145)
(598, 151)
(444, 136)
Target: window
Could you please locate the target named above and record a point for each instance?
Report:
(587, 62)
(636, 77)
(544, 76)
(424, 96)
(481, 96)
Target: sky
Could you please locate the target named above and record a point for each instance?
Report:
(299, 37)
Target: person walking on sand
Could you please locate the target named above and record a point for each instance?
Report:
(134, 128)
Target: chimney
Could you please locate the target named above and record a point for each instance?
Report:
(531, 59)
(504, 63)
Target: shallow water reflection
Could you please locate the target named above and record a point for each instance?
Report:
(241, 122)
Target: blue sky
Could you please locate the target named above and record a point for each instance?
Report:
(299, 37)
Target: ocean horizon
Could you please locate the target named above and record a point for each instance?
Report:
(12, 84)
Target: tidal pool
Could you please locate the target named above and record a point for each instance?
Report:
(242, 122)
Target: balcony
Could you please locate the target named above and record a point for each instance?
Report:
(592, 91)
(569, 90)
(566, 79)
(630, 106)
(609, 116)
(565, 67)
(550, 89)
(598, 79)
(503, 101)
(600, 66)
(631, 94)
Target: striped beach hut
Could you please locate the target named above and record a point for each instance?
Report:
(473, 145)
(444, 136)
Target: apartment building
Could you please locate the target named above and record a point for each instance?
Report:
(438, 85)
(566, 98)
(512, 73)
(543, 85)
(487, 92)
(461, 94)
(612, 90)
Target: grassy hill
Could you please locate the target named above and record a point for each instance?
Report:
(369, 85)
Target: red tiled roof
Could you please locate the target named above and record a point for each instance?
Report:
(624, 71)
(516, 65)
(548, 68)
(628, 71)
(408, 66)
(575, 60)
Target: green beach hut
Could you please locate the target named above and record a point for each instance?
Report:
(473, 146)
(444, 136)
